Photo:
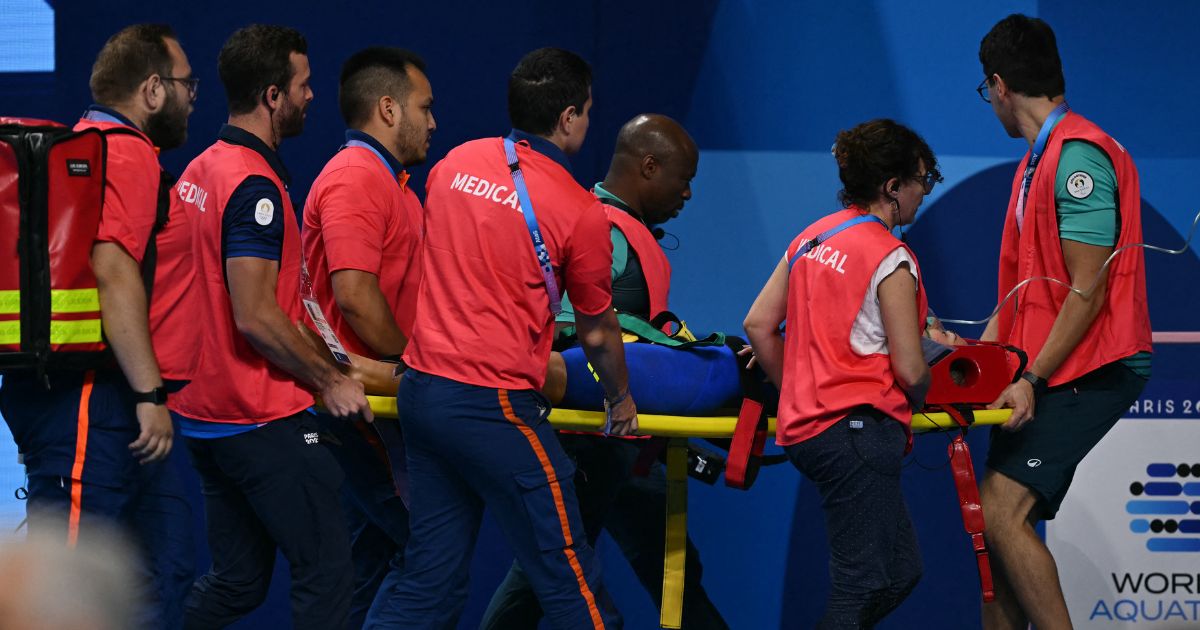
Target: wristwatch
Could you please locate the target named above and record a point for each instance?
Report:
(1039, 383)
(156, 396)
(398, 361)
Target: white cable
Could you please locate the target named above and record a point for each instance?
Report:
(1086, 294)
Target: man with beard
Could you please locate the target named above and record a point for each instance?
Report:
(361, 236)
(95, 443)
(268, 482)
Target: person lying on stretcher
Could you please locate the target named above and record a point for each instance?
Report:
(703, 378)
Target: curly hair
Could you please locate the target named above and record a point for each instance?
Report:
(875, 151)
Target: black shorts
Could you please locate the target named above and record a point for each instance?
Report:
(1069, 420)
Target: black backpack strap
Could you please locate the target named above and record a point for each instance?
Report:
(162, 212)
(162, 215)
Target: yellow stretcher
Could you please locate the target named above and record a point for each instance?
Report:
(679, 429)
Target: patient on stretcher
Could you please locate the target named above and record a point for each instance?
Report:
(696, 381)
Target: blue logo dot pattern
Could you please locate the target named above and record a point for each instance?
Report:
(1163, 505)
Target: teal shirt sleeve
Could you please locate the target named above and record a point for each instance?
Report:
(620, 260)
(1085, 194)
(620, 252)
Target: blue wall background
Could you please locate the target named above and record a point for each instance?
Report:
(763, 86)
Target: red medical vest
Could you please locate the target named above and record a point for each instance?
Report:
(1122, 327)
(483, 315)
(823, 377)
(233, 383)
(358, 218)
(655, 266)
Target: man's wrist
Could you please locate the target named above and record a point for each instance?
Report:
(156, 396)
(613, 401)
(1038, 383)
(398, 361)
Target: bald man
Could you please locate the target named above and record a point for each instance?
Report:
(648, 183)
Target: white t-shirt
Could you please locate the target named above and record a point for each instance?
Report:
(867, 335)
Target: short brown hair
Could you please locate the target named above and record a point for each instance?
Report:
(128, 58)
(253, 59)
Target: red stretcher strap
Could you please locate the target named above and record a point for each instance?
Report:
(972, 510)
(745, 452)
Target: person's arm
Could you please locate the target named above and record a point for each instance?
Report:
(1076, 316)
(126, 220)
(258, 317)
(378, 378)
(124, 315)
(362, 303)
(898, 309)
(587, 277)
(352, 220)
(600, 338)
(762, 323)
(991, 331)
(252, 235)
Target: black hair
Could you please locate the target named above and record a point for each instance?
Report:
(253, 59)
(1024, 52)
(544, 83)
(370, 74)
(875, 151)
(128, 58)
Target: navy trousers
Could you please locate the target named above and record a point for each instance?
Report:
(633, 510)
(82, 479)
(376, 516)
(874, 561)
(471, 447)
(275, 487)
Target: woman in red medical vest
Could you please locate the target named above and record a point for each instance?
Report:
(850, 368)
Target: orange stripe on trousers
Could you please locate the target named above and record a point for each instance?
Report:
(556, 492)
(81, 435)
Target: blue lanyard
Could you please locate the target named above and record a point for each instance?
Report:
(539, 244)
(99, 116)
(360, 143)
(827, 234)
(1035, 156)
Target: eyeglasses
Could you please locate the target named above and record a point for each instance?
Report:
(982, 89)
(928, 180)
(192, 83)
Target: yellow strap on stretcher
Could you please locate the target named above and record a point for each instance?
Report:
(679, 429)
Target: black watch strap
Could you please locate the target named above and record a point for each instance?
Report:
(157, 396)
(398, 361)
(1039, 384)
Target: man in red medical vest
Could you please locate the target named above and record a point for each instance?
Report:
(1075, 199)
(362, 234)
(506, 227)
(94, 442)
(268, 482)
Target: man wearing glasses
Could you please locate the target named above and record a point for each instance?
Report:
(95, 443)
(1075, 199)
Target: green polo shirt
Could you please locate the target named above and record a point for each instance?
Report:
(1088, 208)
